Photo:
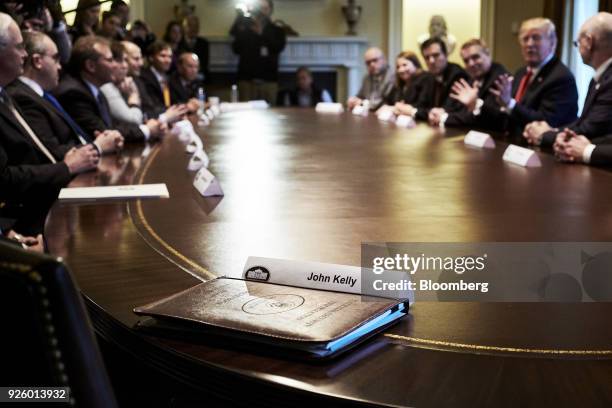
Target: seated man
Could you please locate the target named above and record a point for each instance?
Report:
(474, 93)
(7, 234)
(376, 84)
(595, 47)
(135, 62)
(184, 82)
(30, 176)
(436, 85)
(155, 77)
(79, 93)
(543, 90)
(43, 113)
(306, 93)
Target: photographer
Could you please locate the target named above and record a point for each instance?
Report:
(258, 42)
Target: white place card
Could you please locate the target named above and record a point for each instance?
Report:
(479, 139)
(361, 110)
(206, 183)
(405, 121)
(215, 109)
(194, 145)
(386, 114)
(210, 114)
(522, 156)
(329, 107)
(198, 160)
(114, 192)
(312, 275)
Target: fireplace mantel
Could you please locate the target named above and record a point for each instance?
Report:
(317, 53)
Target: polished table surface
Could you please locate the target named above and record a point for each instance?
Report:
(306, 186)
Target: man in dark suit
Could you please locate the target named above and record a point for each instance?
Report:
(91, 66)
(155, 76)
(30, 177)
(589, 139)
(184, 81)
(544, 89)
(47, 118)
(436, 86)
(474, 94)
(135, 63)
(192, 42)
(595, 46)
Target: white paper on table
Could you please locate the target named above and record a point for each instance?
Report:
(126, 191)
(405, 121)
(329, 107)
(207, 184)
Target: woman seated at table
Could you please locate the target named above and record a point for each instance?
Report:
(305, 94)
(408, 75)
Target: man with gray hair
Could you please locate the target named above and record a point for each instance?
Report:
(377, 83)
(582, 140)
(30, 176)
(543, 90)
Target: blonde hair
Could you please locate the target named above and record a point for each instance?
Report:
(542, 23)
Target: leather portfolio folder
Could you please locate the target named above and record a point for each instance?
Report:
(306, 322)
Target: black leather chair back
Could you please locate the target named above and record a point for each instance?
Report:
(46, 337)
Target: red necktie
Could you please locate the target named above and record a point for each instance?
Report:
(523, 85)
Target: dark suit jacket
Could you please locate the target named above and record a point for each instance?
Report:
(596, 117)
(463, 117)
(426, 101)
(80, 103)
(407, 94)
(29, 183)
(155, 95)
(150, 109)
(44, 119)
(552, 96)
(6, 224)
(180, 93)
(200, 48)
(602, 154)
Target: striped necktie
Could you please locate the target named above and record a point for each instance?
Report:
(6, 99)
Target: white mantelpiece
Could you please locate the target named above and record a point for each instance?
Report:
(318, 53)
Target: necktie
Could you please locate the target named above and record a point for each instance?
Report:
(9, 104)
(166, 93)
(523, 85)
(83, 137)
(104, 113)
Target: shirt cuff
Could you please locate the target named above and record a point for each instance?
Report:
(443, 119)
(478, 108)
(163, 118)
(146, 131)
(586, 154)
(511, 105)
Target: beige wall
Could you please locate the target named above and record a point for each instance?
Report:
(307, 17)
(508, 17)
(462, 18)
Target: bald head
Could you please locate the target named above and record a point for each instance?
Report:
(375, 60)
(134, 57)
(188, 66)
(595, 39)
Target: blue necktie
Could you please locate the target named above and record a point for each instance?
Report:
(83, 137)
(104, 113)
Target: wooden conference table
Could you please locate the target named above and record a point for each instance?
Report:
(306, 186)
